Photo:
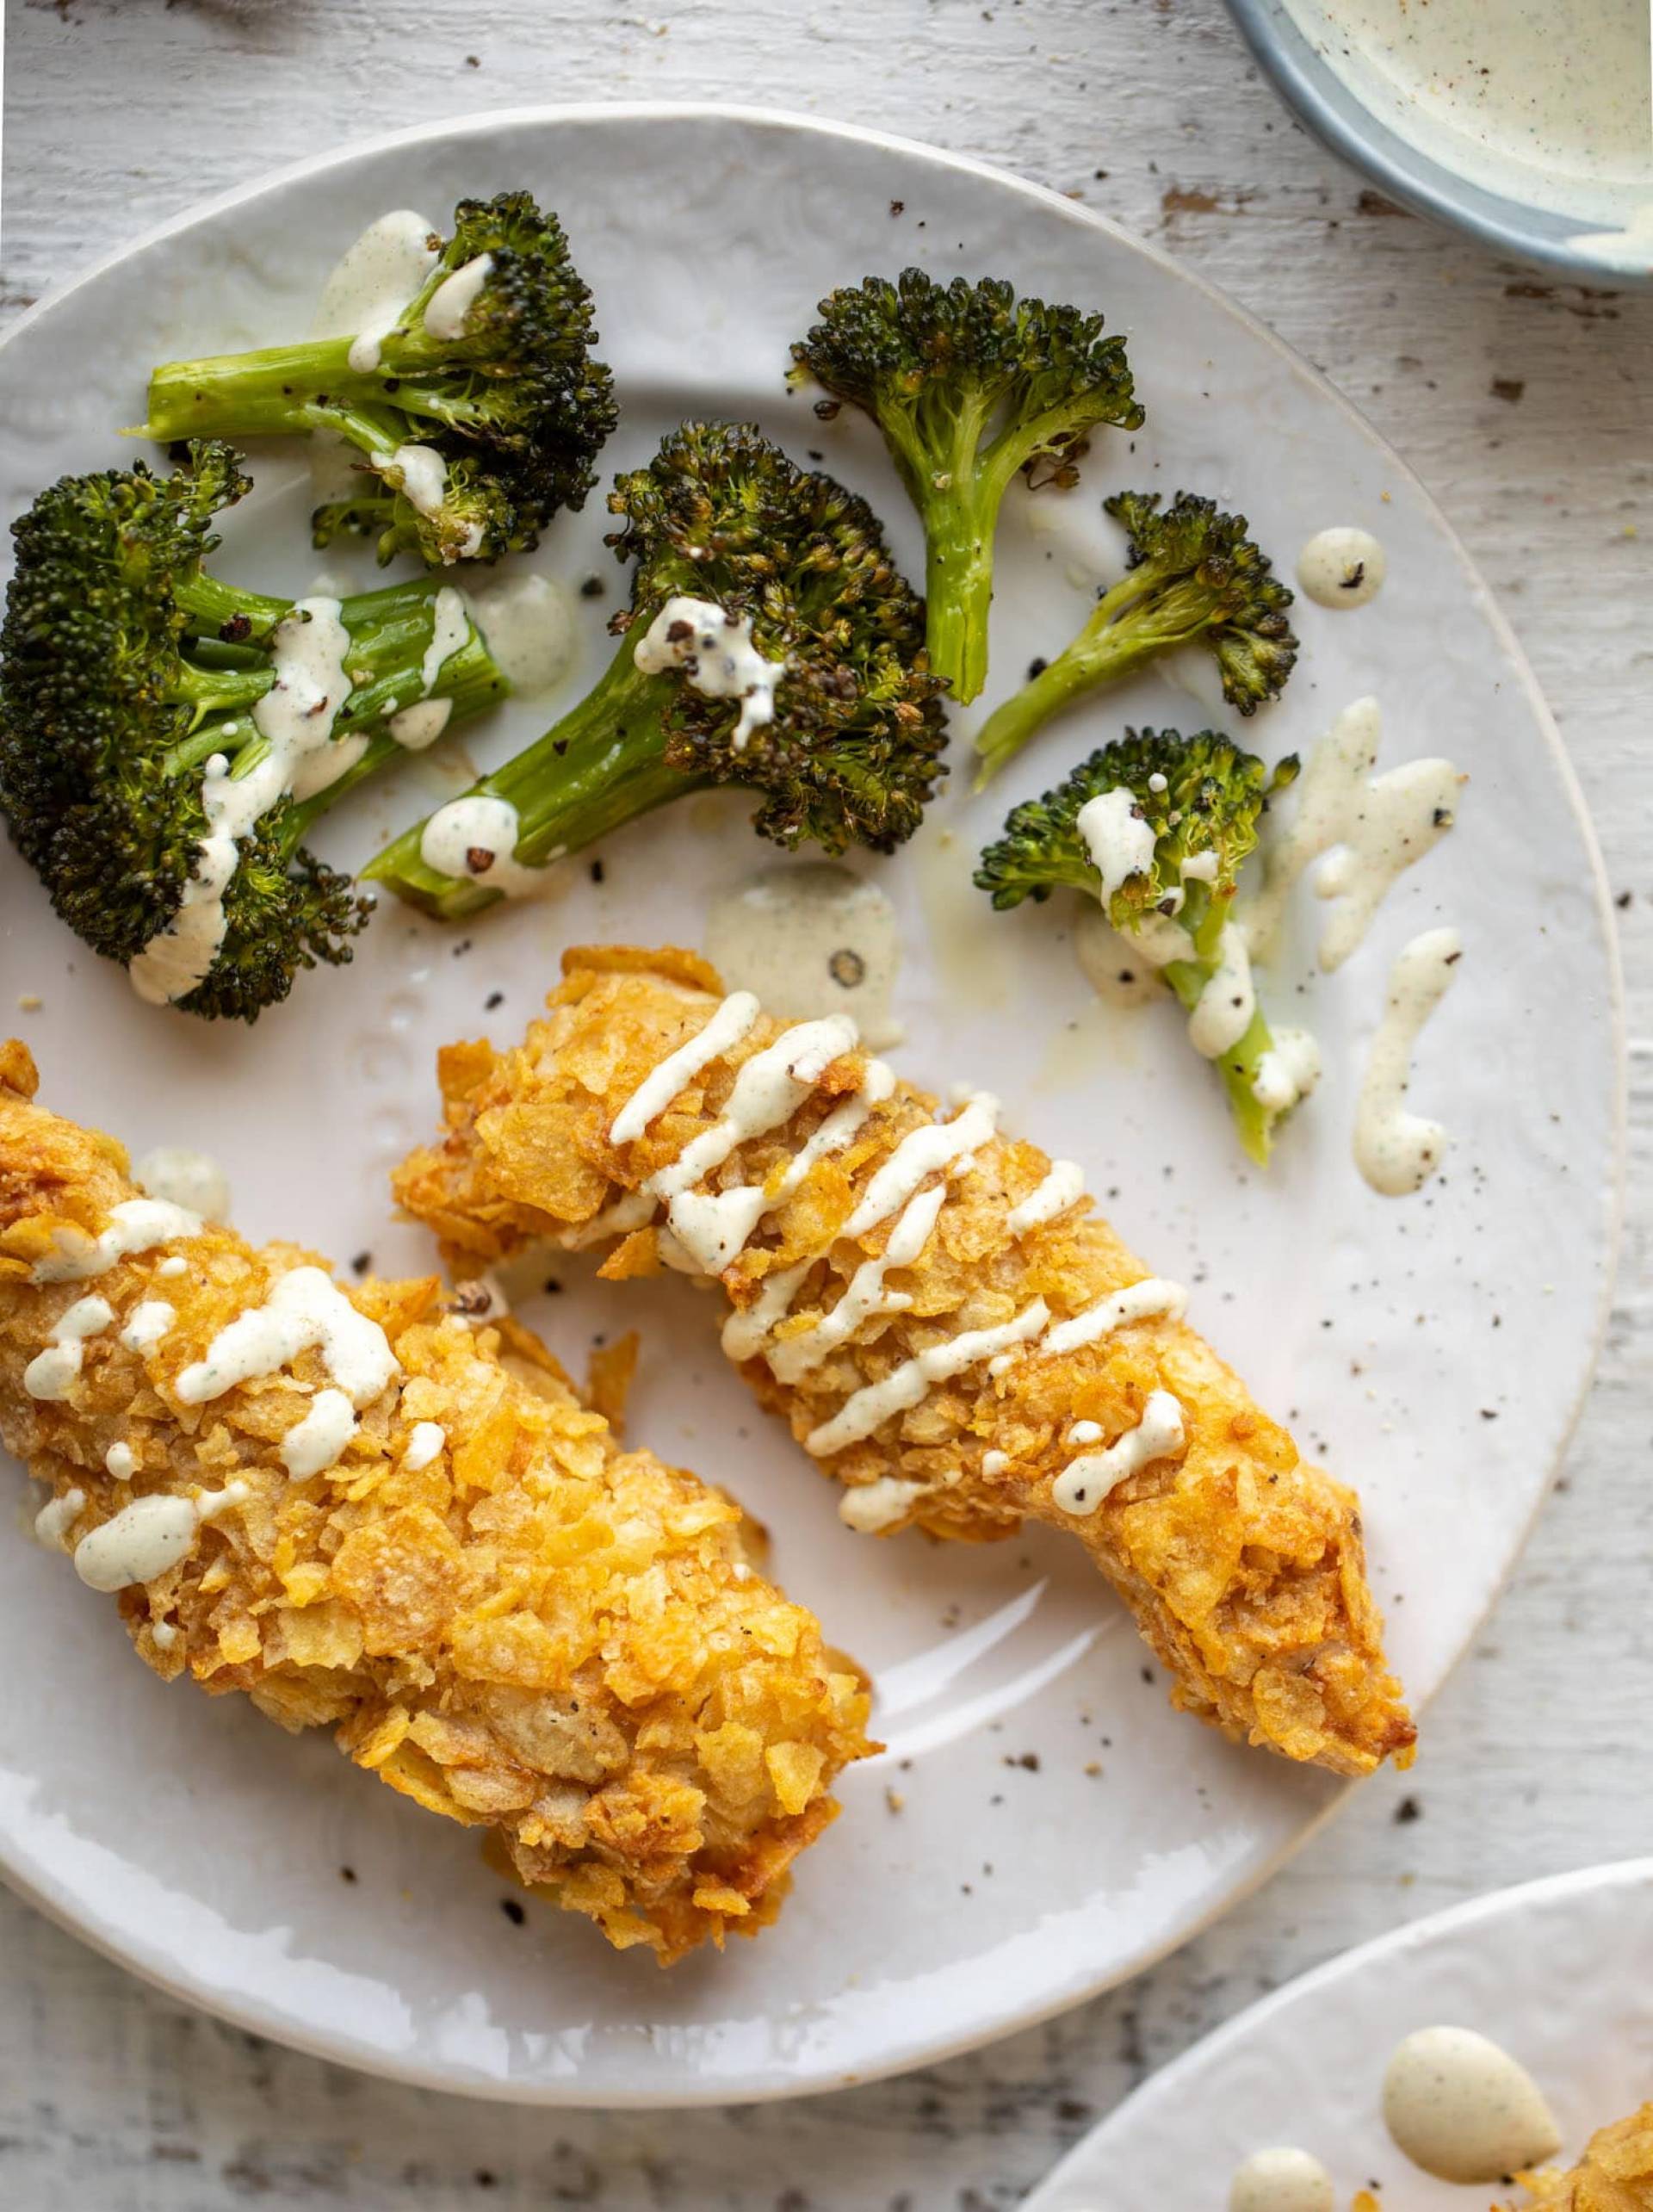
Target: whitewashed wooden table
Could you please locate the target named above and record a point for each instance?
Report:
(1527, 408)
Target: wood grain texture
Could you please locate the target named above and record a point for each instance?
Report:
(1526, 406)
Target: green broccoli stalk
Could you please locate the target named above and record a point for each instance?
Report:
(969, 386)
(1192, 575)
(480, 416)
(125, 669)
(1185, 811)
(771, 643)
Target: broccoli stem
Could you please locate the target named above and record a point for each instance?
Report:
(1203, 918)
(958, 591)
(1115, 642)
(282, 388)
(599, 768)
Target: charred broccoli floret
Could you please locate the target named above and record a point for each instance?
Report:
(1158, 828)
(477, 419)
(1192, 574)
(771, 643)
(970, 385)
(148, 714)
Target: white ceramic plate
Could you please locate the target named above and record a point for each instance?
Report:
(1554, 1972)
(204, 1849)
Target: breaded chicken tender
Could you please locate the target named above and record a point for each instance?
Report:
(1614, 2175)
(950, 1328)
(373, 1516)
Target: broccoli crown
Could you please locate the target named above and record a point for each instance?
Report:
(853, 754)
(1206, 576)
(1201, 795)
(123, 667)
(943, 367)
(510, 410)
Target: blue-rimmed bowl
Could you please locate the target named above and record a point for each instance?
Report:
(1340, 118)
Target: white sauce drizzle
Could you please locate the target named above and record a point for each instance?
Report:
(176, 1266)
(1282, 2180)
(864, 1297)
(1142, 1301)
(476, 836)
(121, 1461)
(1085, 1481)
(146, 1324)
(455, 297)
(1396, 1150)
(425, 1440)
(450, 625)
(921, 1154)
(732, 1022)
(317, 1442)
(295, 717)
(420, 725)
(1342, 567)
(185, 1178)
(714, 649)
(911, 1383)
(56, 1517)
(51, 1373)
(386, 268)
(995, 1463)
(134, 1225)
(305, 1311)
(148, 1537)
(871, 1508)
(1380, 825)
(1288, 1073)
(1118, 836)
(1063, 1186)
(1227, 1004)
(1463, 2109)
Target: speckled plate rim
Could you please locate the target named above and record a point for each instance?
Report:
(1068, 2184)
(1344, 124)
(940, 2043)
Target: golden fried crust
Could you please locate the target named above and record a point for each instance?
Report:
(1614, 2175)
(537, 1634)
(1243, 1564)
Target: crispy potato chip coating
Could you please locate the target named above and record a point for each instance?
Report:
(496, 1608)
(1614, 2175)
(1243, 1564)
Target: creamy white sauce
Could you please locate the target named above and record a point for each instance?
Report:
(134, 1225)
(420, 725)
(476, 836)
(51, 1374)
(1463, 2109)
(1397, 1151)
(146, 1324)
(923, 1153)
(1227, 1003)
(864, 1297)
(174, 1266)
(532, 631)
(995, 1463)
(148, 1537)
(714, 649)
(911, 1383)
(56, 1517)
(1372, 829)
(810, 939)
(1545, 101)
(1118, 838)
(185, 1178)
(376, 278)
(873, 1507)
(1282, 2180)
(1288, 1073)
(121, 1461)
(450, 625)
(426, 1441)
(319, 771)
(454, 298)
(731, 1022)
(163, 1634)
(1085, 1481)
(305, 1311)
(296, 716)
(1063, 1186)
(316, 1441)
(1342, 567)
(1143, 1301)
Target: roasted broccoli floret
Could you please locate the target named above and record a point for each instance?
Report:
(167, 739)
(771, 643)
(1158, 828)
(1192, 573)
(970, 385)
(477, 419)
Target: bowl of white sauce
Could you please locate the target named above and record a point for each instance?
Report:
(1527, 123)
